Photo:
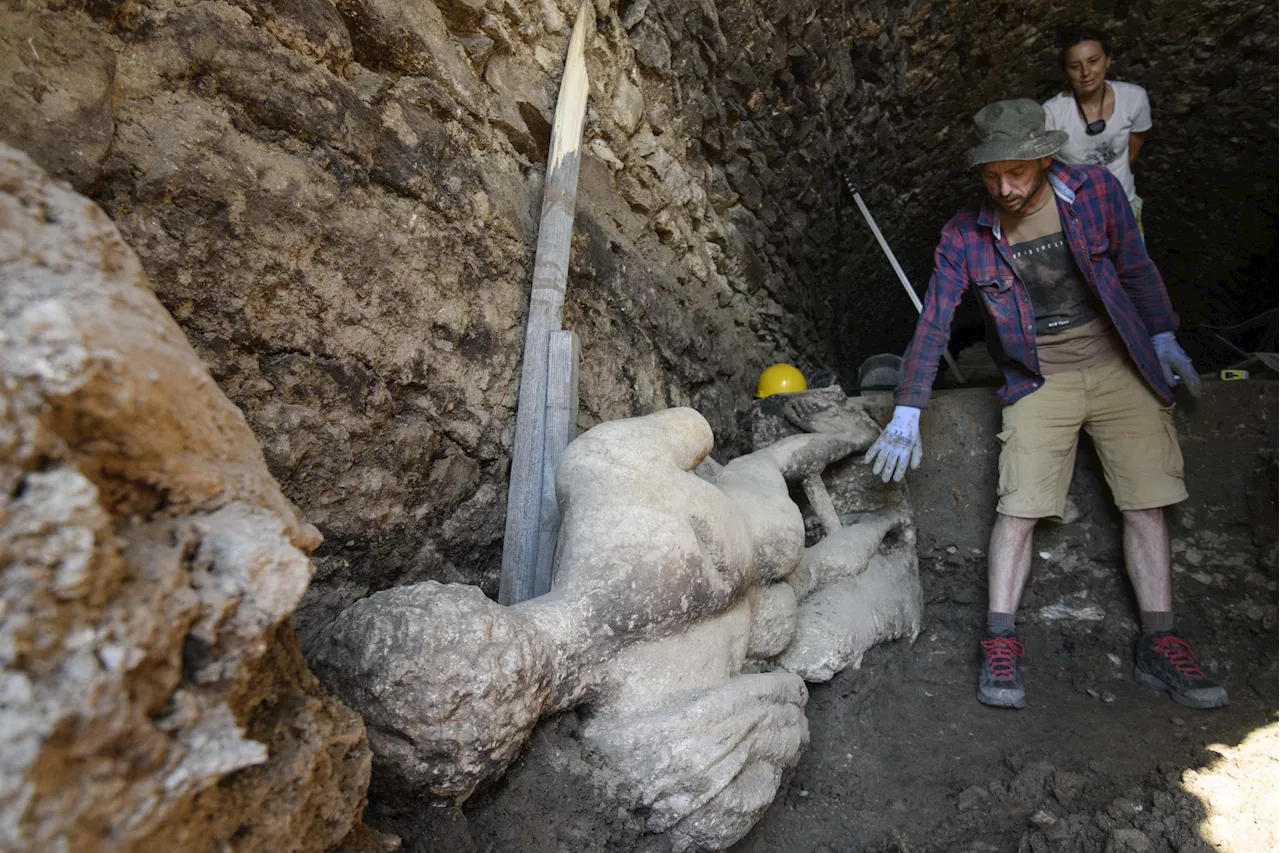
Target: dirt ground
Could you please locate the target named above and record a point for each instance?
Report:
(904, 760)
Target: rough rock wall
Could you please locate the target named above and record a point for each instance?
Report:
(337, 203)
(152, 693)
(781, 97)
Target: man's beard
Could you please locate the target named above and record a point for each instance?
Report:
(1017, 205)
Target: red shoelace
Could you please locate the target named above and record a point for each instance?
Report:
(1179, 654)
(1001, 651)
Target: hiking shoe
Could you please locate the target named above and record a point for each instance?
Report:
(1165, 662)
(1000, 682)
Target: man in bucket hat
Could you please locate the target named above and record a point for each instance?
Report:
(1086, 339)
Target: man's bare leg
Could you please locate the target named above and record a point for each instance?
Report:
(1164, 660)
(1146, 556)
(1008, 565)
(1009, 562)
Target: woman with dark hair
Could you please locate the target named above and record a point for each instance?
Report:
(1105, 120)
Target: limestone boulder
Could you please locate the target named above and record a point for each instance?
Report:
(152, 693)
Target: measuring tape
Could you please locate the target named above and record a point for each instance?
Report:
(1234, 374)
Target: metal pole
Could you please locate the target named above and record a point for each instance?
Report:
(893, 261)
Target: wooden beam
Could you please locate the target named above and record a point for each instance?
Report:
(546, 305)
(562, 428)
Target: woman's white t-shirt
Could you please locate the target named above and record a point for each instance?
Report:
(1111, 147)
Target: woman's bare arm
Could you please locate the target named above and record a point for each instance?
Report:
(1135, 145)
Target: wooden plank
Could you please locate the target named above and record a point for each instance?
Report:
(562, 427)
(546, 304)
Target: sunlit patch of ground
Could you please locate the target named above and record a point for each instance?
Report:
(1241, 791)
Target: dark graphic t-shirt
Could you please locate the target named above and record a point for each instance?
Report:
(1073, 330)
(1060, 297)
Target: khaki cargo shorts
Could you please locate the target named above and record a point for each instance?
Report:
(1131, 429)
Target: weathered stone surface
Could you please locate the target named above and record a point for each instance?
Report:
(773, 620)
(449, 685)
(311, 27)
(60, 79)
(628, 103)
(838, 623)
(722, 750)
(153, 692)
(411, 38)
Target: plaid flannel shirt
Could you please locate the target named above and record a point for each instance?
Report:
(1103, 235)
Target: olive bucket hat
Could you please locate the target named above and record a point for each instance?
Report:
(1013, 130)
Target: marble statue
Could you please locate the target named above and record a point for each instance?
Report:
(685, 615)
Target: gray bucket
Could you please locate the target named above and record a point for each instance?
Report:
(883, 371)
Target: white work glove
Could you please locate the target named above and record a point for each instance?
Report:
(897, 445)
(1175, 363)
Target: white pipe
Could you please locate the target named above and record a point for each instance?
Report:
(911, 292)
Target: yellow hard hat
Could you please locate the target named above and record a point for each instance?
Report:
(780, 379)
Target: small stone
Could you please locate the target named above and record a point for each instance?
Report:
(1043, 819)
(602, 150)
(1122, 808)
(628, 104)
(1044, 555)
(1071, 513)
(1067, 786)
(1108, 696)
(1058, 830)
(951, 549)
(1128, 841)
(112, 657)
(972, 797)
(804, 793)
(644, 143)
(1177, 721)
(1093, 693)
(15, 689)
(552, 19)
(1030, 783)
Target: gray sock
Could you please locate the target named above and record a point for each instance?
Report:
(1156, 620)
(999, 623)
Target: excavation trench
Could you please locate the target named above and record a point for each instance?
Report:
(337, 203)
